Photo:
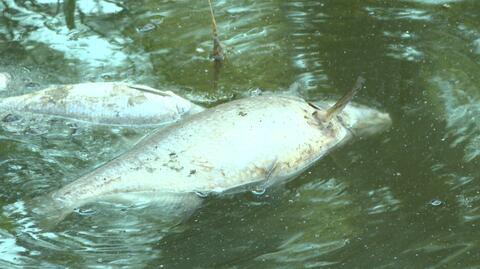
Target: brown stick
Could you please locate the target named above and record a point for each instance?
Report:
(218, 55)
(340, 104)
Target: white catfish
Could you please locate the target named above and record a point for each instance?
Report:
(110, 103)
(236, 146)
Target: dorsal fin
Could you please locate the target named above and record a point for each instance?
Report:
(148, 89)
(342, 102)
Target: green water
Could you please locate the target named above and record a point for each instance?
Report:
(408, 198)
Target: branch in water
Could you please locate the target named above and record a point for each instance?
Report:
(340, 104)
(218, 55)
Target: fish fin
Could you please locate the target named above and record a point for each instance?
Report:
(149, 90)
(312, 104)
(267, 182)
(342, 102)
(271, 169)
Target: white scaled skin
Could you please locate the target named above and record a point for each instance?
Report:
(4, 81)
(110, 103)
(257, 141)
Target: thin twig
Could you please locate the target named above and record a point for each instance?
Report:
(340, 104)
(217, 54)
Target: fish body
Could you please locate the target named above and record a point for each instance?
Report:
(110, 103)
(5, 79)
(240, 145)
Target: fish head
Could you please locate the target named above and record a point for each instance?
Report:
(194, 108)
(364, 121)
(360, 120)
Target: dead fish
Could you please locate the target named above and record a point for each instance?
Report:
(246, 144)
(5, 79)
(110, 103)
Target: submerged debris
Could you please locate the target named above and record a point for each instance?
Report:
(152, 25)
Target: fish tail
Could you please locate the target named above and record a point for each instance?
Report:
(47, 212)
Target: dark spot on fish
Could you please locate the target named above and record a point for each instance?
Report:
(10, 118)
(73, 128)
(180, 110)
(30, 130)
(136, 100)
(241, 113)
(176, 168)
(106, 76)
(56, 95)
(54, 120)
(48, 99)
(150, 170)
(328, 129)
(172, 155)
(104, 179)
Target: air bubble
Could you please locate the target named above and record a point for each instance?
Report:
(436, 202)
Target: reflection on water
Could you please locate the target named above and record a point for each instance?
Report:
(408, 198)
(462, 113)
(103, 235)
(47, 29)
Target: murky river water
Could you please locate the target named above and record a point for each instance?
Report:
(409, 198)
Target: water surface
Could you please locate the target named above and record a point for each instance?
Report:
(408, 198)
